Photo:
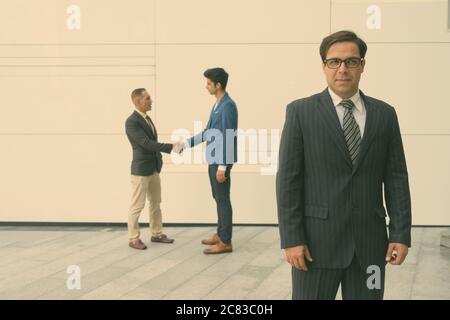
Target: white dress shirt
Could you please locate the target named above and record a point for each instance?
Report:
(359, 112)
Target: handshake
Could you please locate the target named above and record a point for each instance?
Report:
(179, 147)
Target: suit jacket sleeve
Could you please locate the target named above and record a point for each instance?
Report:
(229, 122)
(396, 189)
(290, 182)
(137, 135)
(197, 139)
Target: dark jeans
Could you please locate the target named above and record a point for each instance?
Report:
(221, 194)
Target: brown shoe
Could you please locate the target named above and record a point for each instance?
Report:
(162, 238)
(137, 244)
(212, 241)
(219, 248)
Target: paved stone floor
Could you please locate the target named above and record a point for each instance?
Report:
(34, 262)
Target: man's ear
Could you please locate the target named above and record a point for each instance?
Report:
(363, 64)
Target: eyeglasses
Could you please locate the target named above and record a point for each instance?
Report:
(335, 63)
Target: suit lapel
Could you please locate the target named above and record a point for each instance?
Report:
(372, 118)
(222, 101)
(330, 116)
(208, 125)
(213, 113)
(145, 125)
(154, 128)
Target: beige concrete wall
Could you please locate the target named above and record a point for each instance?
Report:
(65, 96)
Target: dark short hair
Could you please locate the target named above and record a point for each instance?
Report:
(342, 36)
(137, 93)
(217, 75)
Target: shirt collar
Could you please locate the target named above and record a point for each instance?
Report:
(356, 99)
(225, 96)
(141, 113)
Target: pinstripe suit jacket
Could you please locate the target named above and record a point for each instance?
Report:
(327, 203)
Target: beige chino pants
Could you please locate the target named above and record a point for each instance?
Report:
(145, 187)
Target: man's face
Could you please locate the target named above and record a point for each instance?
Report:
(343, 81)
(211, 87)
(145, 102)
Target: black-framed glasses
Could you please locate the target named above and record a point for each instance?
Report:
(335, 63)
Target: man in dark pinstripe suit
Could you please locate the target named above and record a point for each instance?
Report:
(338, 149)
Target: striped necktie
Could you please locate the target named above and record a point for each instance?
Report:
(150, 123)
(351, 130)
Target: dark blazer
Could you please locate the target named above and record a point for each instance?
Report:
(146, 150)
(327, 203)
(223, 118)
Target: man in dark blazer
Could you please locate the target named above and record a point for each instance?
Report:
(221, 153)
(338, 149)
(145, 169)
